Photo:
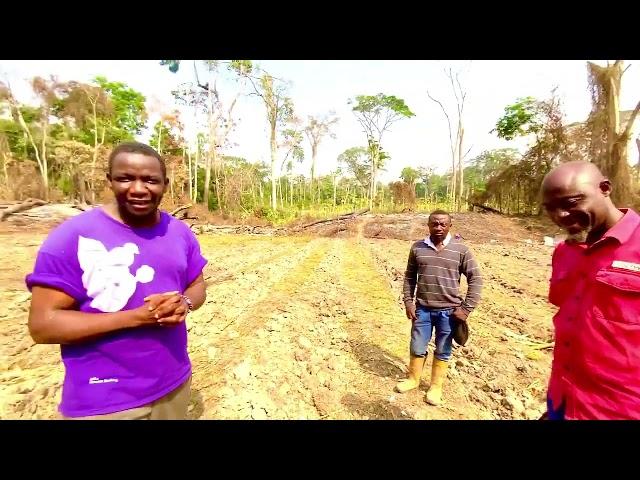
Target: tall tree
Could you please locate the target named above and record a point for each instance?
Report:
(316, 129)
(425, 174)
(455, 142)
(609, 138)
(515, 188)
(357, 162)
(409, 175)
(376, 114)
(292, 145)
(279, 109)
(92, 112)
(48, 92)
(195, 97)
(219, 114)
(166, 136)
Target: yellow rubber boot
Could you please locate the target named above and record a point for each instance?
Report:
(416, 364)
(438, 374)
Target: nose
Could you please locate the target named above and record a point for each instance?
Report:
(558, 215)
(137, 188)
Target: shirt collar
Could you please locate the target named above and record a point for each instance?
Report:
(445, 242)
(622, 230)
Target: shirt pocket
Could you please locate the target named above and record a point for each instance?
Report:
(617, 295)
(561, 286)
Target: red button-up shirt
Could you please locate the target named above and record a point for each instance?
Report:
(596, 358)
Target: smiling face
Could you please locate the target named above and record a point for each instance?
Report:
(576, 198)
(138, 184)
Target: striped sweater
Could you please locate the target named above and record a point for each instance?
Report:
(437, 275)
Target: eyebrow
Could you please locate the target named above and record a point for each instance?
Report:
(564, 197)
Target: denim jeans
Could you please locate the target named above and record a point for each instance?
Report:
(426, 321)
(555, 414)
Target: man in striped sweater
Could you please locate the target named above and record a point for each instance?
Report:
(434, 266)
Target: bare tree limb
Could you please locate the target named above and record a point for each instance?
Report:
(462, 93)
(448, 120)
(632, 119)
(455, 93)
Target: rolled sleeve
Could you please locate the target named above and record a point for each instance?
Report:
(55, 272)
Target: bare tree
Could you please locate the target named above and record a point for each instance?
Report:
(317, 128)
(47, 92)
(455, 143)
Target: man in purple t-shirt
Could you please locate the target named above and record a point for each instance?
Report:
(113, 287)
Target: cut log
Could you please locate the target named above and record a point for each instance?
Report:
(345, 216)
(484, 208)
(83, 207)
(21, 207)
(180, 209)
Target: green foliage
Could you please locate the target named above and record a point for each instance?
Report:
(293, 143)
(164, 140)
(129, 117)
(30, 114)
(409, 175)
(491, 162)
(15, 136)
(357, 162)
(377, 104)
(521, 118)
(241, 67)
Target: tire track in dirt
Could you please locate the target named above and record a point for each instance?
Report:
(305, 341)
(241, 316)
(328, 364)
(247, 254)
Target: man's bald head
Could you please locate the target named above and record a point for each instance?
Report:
(576, 196)
(571, 175)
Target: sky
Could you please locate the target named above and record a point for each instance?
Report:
(320, 86)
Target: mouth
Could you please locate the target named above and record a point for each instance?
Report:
(574, 226)
(139, 205)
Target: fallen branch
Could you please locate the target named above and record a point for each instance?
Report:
(484, 208)
(345, 216)
(83, 207)
(21, 207)
(180, 209)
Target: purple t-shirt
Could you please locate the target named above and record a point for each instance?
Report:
(107, 266)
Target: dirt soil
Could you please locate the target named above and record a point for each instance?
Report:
(312, 326)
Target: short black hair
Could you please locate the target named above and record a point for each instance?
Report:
(137, 147)
(440, 212)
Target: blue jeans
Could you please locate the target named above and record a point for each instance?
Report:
(423, 326)
(555, 414)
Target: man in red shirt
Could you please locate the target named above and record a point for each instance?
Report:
(595, 282)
